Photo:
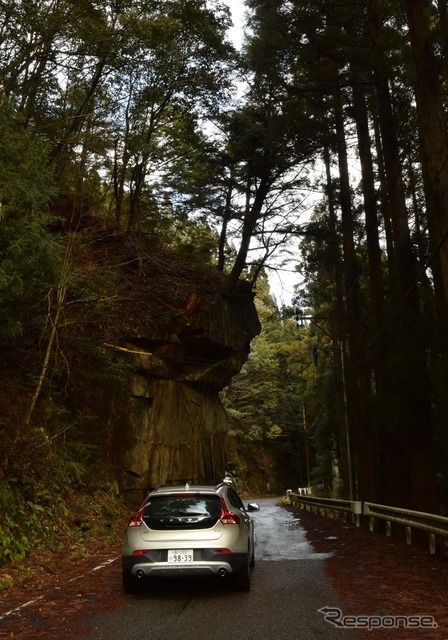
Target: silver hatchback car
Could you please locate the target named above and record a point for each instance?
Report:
(190, 531)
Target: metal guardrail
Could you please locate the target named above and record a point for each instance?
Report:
(327, 506)
(433, 524)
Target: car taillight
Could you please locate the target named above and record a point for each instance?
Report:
(137, 520)
(226, 516)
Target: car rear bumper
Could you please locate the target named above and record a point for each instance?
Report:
(221, 564)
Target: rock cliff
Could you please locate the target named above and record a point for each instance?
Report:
(185, 341)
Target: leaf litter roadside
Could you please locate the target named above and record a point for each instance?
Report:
(375, 575)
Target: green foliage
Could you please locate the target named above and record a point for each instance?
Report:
(253, 394)
(264, 401)
(60, 495)
(29, 253)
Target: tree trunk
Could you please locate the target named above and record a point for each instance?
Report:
(225, 221)
(357, 374)
(378, 355)
(54, 324)
(376, 283)
(251, 217)
(408, 413)
(432, 126)
(76, 122)
(338, 338)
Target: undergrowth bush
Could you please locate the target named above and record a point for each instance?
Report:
(55, 501)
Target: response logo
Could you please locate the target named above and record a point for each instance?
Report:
(335, 617)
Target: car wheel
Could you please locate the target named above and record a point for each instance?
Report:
(252, 559)
(241, 581)
(131, 584)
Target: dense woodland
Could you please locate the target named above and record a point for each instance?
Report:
(135, 125)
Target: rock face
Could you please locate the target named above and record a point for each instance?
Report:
(173, 426)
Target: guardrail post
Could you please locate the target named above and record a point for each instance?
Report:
(388, 528)
(432, 543)
(357, 511)
(408, 535)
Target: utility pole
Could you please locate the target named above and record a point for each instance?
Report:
(307, 446)
(346, 424)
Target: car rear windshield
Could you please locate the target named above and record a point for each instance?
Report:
(192, 511)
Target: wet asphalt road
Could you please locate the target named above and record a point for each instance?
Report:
(289, 586)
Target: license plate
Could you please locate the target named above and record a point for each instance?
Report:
(181, 556)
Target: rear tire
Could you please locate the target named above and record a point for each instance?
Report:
(241, 580)
(131, 585)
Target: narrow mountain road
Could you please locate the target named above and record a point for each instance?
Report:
(289, 586)
(314, 579)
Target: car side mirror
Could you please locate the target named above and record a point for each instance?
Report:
(253, 506)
